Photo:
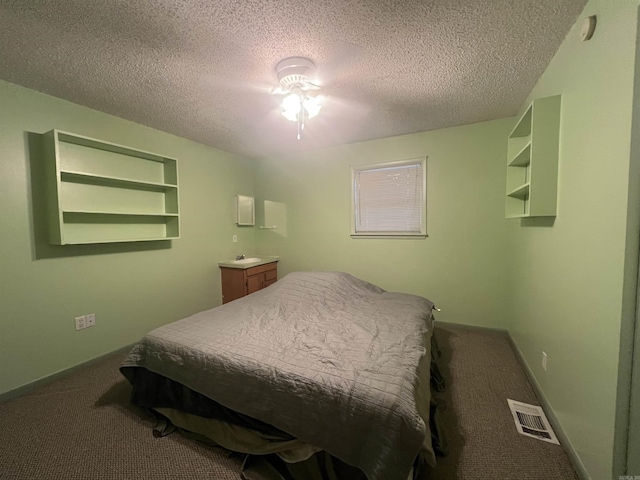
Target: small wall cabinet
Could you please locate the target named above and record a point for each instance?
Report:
(532, 161)
(100, 192)
(238, 282)
(245, 210)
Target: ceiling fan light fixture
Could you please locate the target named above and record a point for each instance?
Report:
(292, 106)
(313, 105)
(297, 105)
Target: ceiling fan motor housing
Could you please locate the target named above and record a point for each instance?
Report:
(294, 71)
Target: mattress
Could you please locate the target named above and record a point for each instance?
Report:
(329, 359)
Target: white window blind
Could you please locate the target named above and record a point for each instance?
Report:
(389, 199)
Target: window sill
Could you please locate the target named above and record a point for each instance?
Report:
(407, 237)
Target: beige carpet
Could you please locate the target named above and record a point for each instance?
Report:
(83, 428)
(482, 371)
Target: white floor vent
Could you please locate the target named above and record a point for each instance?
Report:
(531, 421)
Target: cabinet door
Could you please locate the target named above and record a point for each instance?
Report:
(270, 276)
(255, 283)
(233, 284)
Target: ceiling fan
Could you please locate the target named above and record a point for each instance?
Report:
(294, 72)
(294, 75)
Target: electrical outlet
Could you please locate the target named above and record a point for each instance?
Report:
(235, 238)
(81, 322)
(544, 361)
(91, 320)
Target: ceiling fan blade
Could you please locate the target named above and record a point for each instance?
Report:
(344, 62)
(279, 91)
(345, 106)
(306, 86)
(310, 86)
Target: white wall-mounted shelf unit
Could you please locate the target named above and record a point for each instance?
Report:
(532, 161)
(100, 192)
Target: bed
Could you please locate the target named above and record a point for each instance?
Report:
(319, 363)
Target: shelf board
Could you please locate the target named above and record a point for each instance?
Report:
(123, 214)
(81, 177)
(523, 127)
(520, 192)
(523, 157)
(520, 215)
(154, 239)
(109, 146)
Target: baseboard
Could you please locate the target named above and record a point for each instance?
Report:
(438, 323)
(41, 382)
(555, 424)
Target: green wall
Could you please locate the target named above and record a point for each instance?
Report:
(460, 266)
(629, 337)
(573, 286)
(131, 288)
(563, 286)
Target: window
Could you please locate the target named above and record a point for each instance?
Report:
(389, 200)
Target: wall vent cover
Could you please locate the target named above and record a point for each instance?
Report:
(531, 421)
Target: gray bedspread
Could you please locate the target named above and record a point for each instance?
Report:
(328, 358)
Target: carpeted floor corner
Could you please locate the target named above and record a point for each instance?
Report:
(482, 371)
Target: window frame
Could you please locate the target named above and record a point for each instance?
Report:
(391, 234)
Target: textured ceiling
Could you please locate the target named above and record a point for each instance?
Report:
(203, 69)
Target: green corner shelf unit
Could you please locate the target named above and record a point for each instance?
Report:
(100, 192)
(532, 161)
